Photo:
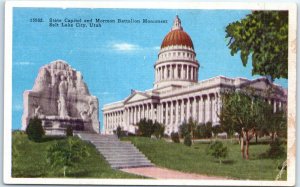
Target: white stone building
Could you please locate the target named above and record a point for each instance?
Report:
(177, 94)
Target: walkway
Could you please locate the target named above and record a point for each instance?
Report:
(163, 173)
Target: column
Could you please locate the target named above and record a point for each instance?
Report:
(176, 72)
(182, 110)
(187, 73)
(158, 113)
(171, 113)
(274, 106)
(194, 111)
(146, 111)
(167, 114)
(209, 108)
(134, 115)
(188, 109)
(192, 73)
(280, 105)
(217, 107)
(176, 112)
(152, 112)
(162, 112)
(172, 72)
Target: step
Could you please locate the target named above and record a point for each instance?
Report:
(116, 148)
(116, 151)
(127, 158)
(111, 144)
(118, 154)
(114, 163)
(113, 154)
(119, 166)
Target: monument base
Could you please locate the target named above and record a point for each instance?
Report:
(55, 125)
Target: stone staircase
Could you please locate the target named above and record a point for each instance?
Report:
(117, 153)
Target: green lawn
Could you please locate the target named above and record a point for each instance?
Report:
(31, 161)
(195, 160)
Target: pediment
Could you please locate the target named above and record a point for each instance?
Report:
(263, 84)
(137, 96)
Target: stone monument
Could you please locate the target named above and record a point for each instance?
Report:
(60, 98)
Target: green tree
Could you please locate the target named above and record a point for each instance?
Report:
(245, 114)
(216, 129)
(158, 129)
(66, 154)
(145, 127)
(217, 150)
(187, 140)
(188, 130)
(119, 131)
(69, 130)
(34, 129)
(175, 137)
(275, 123)
(263, 35)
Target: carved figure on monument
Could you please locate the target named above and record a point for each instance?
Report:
(38, 111)
(62, 92)
(62, 105)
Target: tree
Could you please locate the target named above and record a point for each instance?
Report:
(175, 137)
(275, 122)
(244, 112)
(66, 153)
(203, 130)
(34, 129)
(264, 36)
(216, 129)
(145, 127)
(187, 130)
(187, 140)
(69, 130)
(158, 129)
(119, 131)
(217, 150)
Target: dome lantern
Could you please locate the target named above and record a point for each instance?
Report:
(177, 24)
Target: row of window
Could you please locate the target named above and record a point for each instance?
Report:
(176, 54)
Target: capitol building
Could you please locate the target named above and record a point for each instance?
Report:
(177, 94)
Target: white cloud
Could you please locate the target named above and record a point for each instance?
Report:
(156, 48)
(125, 47)
(129, 47)
(24, 63)
(103, 93)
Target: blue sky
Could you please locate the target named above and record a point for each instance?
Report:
(117, 57)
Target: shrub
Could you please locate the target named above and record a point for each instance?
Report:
(175, 137)
(204, 130)
(145, 127)
(69, 130)
(119, 131)
(35, 130)
(217, 150)
(216, 129)
(188, 140)
(276, 149)
(65, 154)
(158, 129)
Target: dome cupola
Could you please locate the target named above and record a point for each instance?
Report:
(176, 64)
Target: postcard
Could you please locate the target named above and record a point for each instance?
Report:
(148, 93)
